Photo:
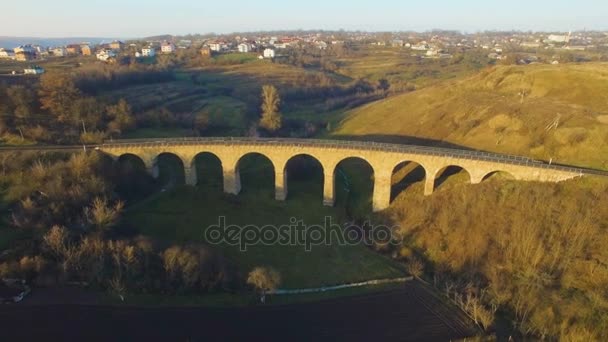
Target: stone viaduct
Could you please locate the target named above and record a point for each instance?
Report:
(383, 159)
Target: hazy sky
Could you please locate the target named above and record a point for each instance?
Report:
(135, 18)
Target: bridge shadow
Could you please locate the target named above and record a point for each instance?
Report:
(402, 139)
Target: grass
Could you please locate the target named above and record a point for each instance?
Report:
(170, 132)
(487, 112)
(183, 214)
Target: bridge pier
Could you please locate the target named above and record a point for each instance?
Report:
(153, 170)
(382, 190)
(280, 185)
(328, 189)
(190, 173)
(232, 181)
(429, 184)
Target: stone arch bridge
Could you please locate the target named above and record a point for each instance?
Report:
(382, 158)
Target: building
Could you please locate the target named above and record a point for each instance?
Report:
(269, 53)
(105, 55)
(85, 50)
(7, 54)
(59, 52)
(33, 70)
(72, 49)
(28, 49)
(554, 38)
(218, 46)
(167, 47)
(117, 45)
(23, 56)
(148, 52)
(244, 48)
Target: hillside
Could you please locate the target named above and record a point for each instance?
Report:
(557, 112)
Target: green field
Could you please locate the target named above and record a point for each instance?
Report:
(183, 214)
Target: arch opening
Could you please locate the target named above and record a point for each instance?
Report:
(256, 172)
(498, 176)
(170, 169)
(304, 177)
(407, 176)
(450, 176)
(354, 186)
(209, 171)
(133, 182)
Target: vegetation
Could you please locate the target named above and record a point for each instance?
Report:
(513, 250)
(546, 112)
(271, 118)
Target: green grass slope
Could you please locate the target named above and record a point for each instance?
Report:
(506, 109)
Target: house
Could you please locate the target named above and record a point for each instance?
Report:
(218, 46)
(167, 47)
(148, 52)
(85, 50)
(33, 70)
(269, 53)
(554, 38)
(7, 54)
(59, 52)
(105, 55)
(28, 49)
(117, 45)
(72, 49)
(244, 47)
(23, 56)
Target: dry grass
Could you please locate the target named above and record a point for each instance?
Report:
(504, 109)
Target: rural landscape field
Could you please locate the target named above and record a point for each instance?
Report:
(386, 181)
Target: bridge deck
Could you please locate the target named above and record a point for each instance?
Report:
(339, 144)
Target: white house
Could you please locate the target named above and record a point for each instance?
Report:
(104, 55)
(28, 49)
(59, 52)
(220, 46)
(148, 52)
(34, 70)
(269, 53)
(7, 54)
(244, 47)
(167, 47)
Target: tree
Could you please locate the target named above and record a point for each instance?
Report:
(384, 86)
(57, 94)
(121, 117)
(271, 118)
(264, 279)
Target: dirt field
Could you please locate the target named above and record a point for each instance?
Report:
(407, 314)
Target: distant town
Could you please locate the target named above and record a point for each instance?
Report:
(432, 45)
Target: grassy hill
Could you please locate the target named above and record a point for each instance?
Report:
(543, 111)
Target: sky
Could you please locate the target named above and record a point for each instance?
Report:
(140, 18)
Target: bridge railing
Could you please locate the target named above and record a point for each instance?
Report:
(366, 145)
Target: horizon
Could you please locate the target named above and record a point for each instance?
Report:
(74, 19)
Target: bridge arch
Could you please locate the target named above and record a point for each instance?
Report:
(169, 169)
(132, 160)
(303, 173)
(207, 170)
(405, 175)
(255, 171)
(354, 185)
(451, 172)
(498, 174)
